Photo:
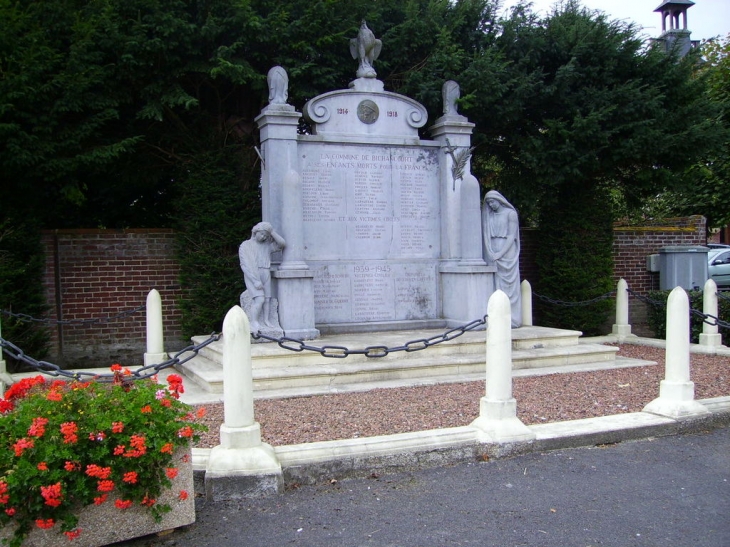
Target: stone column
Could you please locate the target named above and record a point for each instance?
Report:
(463, 270)
(710, 335)
(155, 353)
(526, 302)
(622, 328)
(676, 391)
(241, 466)
(295, 279)
(281, 205)
(498, 409)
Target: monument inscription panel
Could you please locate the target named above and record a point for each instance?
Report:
(371, 223)
(366, 291)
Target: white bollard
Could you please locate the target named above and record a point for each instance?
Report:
(710, 335)
(526, 290)
(622, 328)
(155, 353)
(676, 391)
(241, 466)
(498, 409)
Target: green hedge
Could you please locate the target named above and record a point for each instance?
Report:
(657, 315)
(21, 288)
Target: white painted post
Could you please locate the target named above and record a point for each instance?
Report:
(241, 466)
(498, 409)
(238, 381)
(676, 391)
(526, 290)
(622, 328)
(710, 335)
(155, 341)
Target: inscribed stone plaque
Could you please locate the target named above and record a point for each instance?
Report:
(366, 291)
(371, 223)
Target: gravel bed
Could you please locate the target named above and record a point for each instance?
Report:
(540, 399)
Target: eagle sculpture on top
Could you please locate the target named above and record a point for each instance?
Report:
(366, 47)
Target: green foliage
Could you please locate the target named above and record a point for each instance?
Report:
(575, 96)
(132, 113)
(21, 289)
(705, 189)
(574, 259)
(657, 315)
(70, 445)
(215, 210)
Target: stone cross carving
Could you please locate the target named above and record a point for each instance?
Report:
(365, 48)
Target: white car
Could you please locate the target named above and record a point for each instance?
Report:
(718, 266)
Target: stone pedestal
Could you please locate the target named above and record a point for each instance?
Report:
(241, 465)
(676, 391)
(497, 419)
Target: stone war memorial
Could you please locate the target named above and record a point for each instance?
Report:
(382, 229)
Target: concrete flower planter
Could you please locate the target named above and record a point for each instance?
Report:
(104, 524)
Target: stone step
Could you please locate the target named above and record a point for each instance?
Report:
(472, 342)
(307, 373)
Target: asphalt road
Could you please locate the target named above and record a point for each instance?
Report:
(664, 492)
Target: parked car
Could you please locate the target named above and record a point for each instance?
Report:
(718, 266)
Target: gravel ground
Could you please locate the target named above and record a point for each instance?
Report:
(540, 399)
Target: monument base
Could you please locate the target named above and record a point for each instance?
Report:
(498, 421)
(272, 327)
(382, 326)
(676, 400)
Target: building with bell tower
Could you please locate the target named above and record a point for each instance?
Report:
(674, 26)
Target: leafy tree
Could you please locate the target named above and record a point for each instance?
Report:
(135, 113)
(706, 187)
(582, 108)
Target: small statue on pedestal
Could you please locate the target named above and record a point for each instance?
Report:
(255, 257)
(366, 48)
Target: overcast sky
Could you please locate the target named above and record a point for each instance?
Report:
(706, 19)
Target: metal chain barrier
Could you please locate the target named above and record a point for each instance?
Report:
(142, 373)
(25, 318)
(575, 304)
(706, 318)
(340, 352)
(723, 296)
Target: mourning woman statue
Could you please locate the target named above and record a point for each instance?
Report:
(502, 241)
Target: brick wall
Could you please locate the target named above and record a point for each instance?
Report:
(100, 273)
(631, 246)
(93, 274)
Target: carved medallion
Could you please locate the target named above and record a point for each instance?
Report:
(368, 111)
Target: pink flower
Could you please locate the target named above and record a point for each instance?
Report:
(45, 524)
(22, 445)
(105, 486)
(73, 534)
(123, 504)
(52, 494)
(38, 427)
(171, 472)
(130, 477)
